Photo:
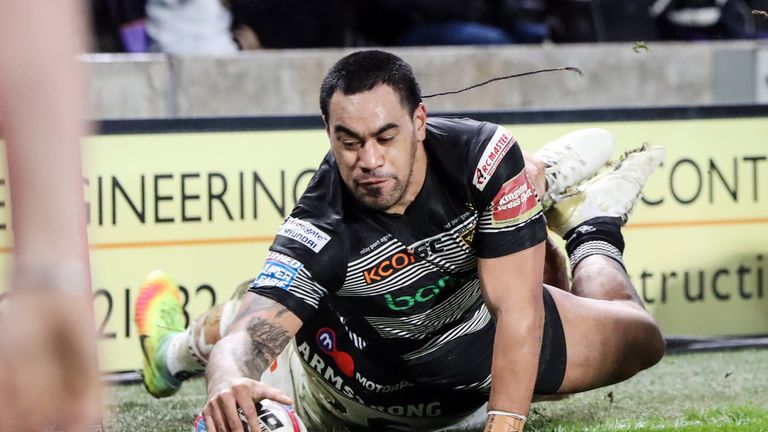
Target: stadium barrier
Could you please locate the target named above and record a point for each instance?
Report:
(287, 82)
(202, 198)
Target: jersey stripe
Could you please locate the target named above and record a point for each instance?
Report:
(479, 320)
(305, 288)
(484, 385)
(421, 325)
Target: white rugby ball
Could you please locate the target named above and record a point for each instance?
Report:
(276, 417)
(273, 417)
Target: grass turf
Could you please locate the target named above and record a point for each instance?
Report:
(723, 391)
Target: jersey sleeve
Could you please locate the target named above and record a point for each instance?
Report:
(307, 258)
(510, 215)
(298, 269)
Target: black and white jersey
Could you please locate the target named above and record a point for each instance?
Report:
(407, 285)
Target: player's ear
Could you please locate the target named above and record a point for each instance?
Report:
(325, 122)
(420, 121)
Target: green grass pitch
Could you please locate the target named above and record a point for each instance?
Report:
(722, 391)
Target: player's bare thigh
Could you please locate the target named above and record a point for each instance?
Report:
(607, 340)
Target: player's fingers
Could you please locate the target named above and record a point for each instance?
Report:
(264, 391)
(217, 419)
(210, 423)
(247, 404)
(228, 409)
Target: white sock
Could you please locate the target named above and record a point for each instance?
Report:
(180, 358)
(188, 356)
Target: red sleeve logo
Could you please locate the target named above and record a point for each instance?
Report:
(516, 202)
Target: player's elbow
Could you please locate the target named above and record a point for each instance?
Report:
(519, 324)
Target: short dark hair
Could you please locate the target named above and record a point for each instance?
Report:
(363, 70)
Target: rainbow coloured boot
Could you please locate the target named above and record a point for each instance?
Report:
(158, 316)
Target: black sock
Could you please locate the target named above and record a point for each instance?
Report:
(596, 236)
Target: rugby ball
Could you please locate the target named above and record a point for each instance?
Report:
(273, 417)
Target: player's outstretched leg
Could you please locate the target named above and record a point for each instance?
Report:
(556, 169)
(609, 334)
(171, 353)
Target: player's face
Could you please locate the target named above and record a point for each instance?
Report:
(378, 147)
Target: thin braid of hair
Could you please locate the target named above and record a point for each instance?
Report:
(558, 69)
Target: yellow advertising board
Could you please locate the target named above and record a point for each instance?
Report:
(205, 206)
(697, 243)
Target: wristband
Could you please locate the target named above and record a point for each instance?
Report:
(508, 414)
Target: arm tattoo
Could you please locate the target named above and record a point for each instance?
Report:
(267, 341)
(281, 312)
(261, 304)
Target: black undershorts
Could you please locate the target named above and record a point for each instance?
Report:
(553, 355)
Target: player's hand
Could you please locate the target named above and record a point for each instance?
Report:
(534, 167)
(48, 369)
(220, 411)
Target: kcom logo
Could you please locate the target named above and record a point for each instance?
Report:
(388, 267)
(422, 294)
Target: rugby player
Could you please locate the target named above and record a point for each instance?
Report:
(412, 270)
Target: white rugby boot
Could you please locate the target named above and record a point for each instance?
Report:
(571, 159)
(612, 193)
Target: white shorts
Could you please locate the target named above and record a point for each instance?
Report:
(323, 408)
